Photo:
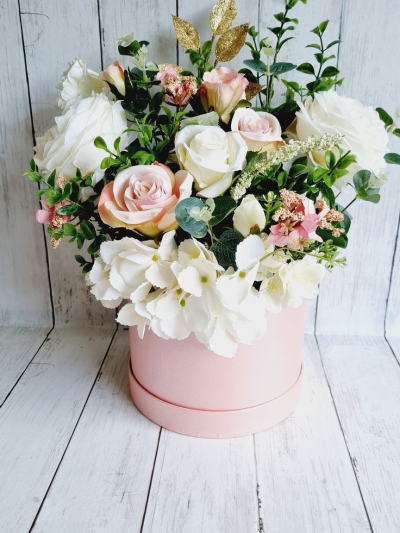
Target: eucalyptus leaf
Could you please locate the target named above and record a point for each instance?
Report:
(208, 119)
(196, 228)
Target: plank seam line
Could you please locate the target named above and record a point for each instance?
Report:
(26, 367)
(98, 374)
(177, 43)
(151, 481)
(392, 350)
(100, 35)
(344, 436)
(391, 278)
(258, 500)
(341, 25)
(46, 250)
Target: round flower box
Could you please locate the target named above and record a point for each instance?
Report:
(183, 387)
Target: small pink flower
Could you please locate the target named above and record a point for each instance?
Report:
(167, 74)
(260, 130)
(302, 226)
(47, 214)
(222, 89)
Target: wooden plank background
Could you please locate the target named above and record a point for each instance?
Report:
(40, 36)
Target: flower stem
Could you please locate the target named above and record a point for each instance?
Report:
(348, 205)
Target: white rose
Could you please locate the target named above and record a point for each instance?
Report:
(248, 215)
(364, 133)
(78, 82)
(211, 156)
(69, 144)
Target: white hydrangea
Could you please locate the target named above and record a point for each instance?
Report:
(179, 291)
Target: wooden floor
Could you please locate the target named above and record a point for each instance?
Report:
(76, 456)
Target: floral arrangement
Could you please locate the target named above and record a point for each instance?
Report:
(201, 201)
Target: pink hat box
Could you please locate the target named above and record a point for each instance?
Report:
(184, 387)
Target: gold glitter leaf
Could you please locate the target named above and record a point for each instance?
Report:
(252, 90)
(231, 42)
(222, 16)
(186, 33)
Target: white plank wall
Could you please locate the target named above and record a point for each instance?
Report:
(55, 33)
(354, 300)
(24, 295)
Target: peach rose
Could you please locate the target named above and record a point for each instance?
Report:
(260, 130)
(115, 75)
(143, 198)
(222, 89)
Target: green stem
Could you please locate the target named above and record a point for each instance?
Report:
(348, 205)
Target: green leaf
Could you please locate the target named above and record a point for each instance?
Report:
(52, 197)
(384, 116)
(314, 45)
(280, 68)
(225, 248)
(34, 176)
(319, 173)
(196, 228)
(374, 198)
(143, 158)
(224, 205)
(99, 142)
(326, 235)
(41, 192)
(361, 179)
(332, 44)
(107, 162)
(88, 229)
(258, 66)
(330, 72)
(330, 159)
(94, 246)
(306, 68)
(207, 119)
(69, 209)
(51, 180)
(297, 170)
(392, 159)
(328, 194)
(69, 230)
(322, 27)
(81, 260)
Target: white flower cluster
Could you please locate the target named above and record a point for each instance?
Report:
(176, 291)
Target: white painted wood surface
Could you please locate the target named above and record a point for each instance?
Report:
(332, 466)
(365, 380)
(102, 483)
(39, 417)
(24, 295)
(304, 468)
(18, 346)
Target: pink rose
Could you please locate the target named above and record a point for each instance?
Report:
(260, 130)
(143, 198)
(115, 75)
(222, 89)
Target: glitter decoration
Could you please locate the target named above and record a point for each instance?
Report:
(283, 154)
(222, 16)
(186, 33)
(230, 44)
(252, 90)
